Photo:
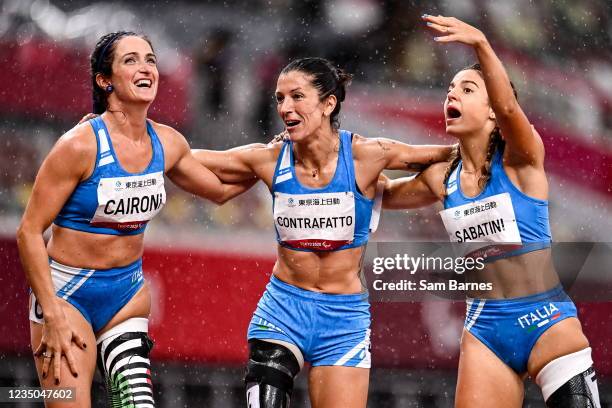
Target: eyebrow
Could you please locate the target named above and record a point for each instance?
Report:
(150, 54)
(468, 81)
(293, 90)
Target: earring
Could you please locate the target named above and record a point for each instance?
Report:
(109, 88)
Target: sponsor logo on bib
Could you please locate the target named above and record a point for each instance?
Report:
(128, 203)
(323, 221)
(488, 220)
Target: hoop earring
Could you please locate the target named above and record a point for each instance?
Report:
(109, 88)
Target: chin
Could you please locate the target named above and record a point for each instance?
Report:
(296, 136)
(452, 130)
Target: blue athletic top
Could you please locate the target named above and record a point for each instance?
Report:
(113, 201)
(500, 213)
(331, 218)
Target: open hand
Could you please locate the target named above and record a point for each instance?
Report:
(452, 29)
(56, 341)
(87, 117)
(284, 135)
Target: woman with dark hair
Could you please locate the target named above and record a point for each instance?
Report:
(495, 195)
(99, 186)
(323, 183)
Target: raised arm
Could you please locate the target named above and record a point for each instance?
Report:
(523, 144)
(69, 161)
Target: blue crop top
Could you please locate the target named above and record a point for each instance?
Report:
(113, 201)
(331, 218)
(501, 213)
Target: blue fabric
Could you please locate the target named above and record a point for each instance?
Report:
(511, 327)
(328, 329)
(343, 181)
(531, 213)
(103, 293)
(81, 206)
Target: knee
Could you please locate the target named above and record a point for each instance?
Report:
(570, 382)
(270, 373)
(123, 359)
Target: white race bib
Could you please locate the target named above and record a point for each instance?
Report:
(489, 220)
(320, 221)
(128, 203)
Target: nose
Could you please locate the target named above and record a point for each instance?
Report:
(144, 67)
(451, 96)
(285, 107)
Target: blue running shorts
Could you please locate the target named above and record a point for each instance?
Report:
(97, 293)
(330, 330)
(511, 327)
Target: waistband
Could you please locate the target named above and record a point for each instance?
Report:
(71, 270)
(555, 294)
(520, 249)
(353, 298)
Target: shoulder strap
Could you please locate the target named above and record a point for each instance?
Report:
(451, 183)
(105, 155)
(346, 154)
(282, 172)
(156, 144)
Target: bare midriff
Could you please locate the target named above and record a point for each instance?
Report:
(93, 251)
(334, 272)
(523, 275)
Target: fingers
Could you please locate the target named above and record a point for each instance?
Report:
(441, 25)
(72, 363)
(442, 29)
(49, 358)
(46, 363)
(451, 29)
(40, 349)
(87, 117)
(57, 366)
(78, 340)
(434, 19)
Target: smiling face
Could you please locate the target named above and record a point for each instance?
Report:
(299, 105)
(466, 108)
(134, 72)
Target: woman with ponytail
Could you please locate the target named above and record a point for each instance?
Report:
(323, 182)
(100, 185)
(495, 197)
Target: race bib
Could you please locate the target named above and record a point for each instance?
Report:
(489, 220)
(128, 203)
(320, 221)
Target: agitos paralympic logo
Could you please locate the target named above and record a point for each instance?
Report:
(539, 317)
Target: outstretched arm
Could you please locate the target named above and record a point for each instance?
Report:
(417, 191)
(188, 174)
(231, 166)
(393, 155)
(523, 144)
(191, 176)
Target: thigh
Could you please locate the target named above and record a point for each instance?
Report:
(484, 380)
(138, 306)
(563, 338)
(337, 386)
(85, 360)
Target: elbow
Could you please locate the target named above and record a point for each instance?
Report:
(22, 233)
(221, 200)
(507, 110)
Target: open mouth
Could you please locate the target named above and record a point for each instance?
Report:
(144, 83)
(291, 123)
(452, 113)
